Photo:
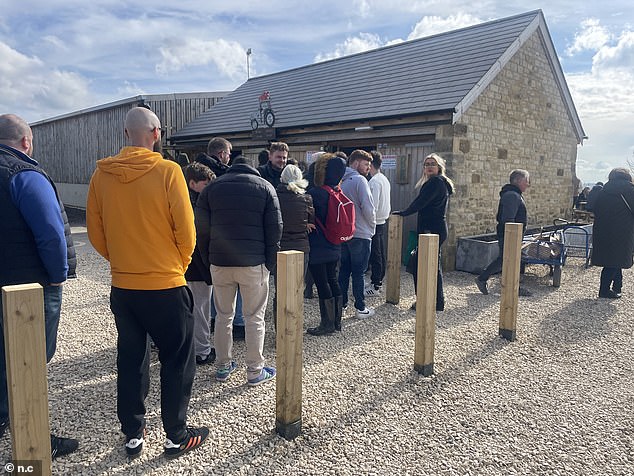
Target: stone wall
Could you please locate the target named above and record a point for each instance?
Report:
(519, 121)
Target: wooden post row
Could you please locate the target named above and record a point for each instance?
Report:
(510, 279)
(426, 304)
(25, 353)
(393, 271)
(289, 339)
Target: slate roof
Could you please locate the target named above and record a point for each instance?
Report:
(440, 73)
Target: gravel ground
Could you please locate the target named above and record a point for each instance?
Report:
(559, 400)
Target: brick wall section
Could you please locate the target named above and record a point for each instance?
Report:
(519, 121)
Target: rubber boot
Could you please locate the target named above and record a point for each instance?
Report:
(327, 312)
(338, 312)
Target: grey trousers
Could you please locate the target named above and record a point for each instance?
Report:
(201, 291)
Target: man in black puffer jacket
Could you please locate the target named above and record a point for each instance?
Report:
(36, 243)
(239, 226)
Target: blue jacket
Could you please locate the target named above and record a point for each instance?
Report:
(38, 217)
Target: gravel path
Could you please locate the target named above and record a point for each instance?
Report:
(559, 400)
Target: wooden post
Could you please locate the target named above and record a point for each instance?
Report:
(426, 304)
(290, 326)
(393, 271)
(510, 279)
(27, 385)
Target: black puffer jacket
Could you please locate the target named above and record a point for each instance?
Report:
(511, 209)
(613, 229)
(238, 220)
(297, 213)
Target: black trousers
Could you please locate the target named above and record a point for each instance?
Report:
(166, 316)
(326, 279)
(611, 277)
(495, 266)
(378, 254)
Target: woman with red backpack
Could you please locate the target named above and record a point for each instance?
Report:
(324, 255)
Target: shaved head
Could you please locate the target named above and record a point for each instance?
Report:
(140, 127)
(16, 133)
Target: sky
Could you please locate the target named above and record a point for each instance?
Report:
(60, 56)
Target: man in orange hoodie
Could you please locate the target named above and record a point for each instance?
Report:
(140, 219)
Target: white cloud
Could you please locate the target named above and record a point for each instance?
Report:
(229, 57)
(29, 84)
(619, 57)
(592, 37)
(352, 45)
(432, 25)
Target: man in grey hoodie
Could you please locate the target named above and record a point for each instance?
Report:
(356, 252)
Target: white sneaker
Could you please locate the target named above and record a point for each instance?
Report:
(372, 291)
(367, 312)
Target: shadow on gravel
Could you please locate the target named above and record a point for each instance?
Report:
(310, 440)
(586, 319)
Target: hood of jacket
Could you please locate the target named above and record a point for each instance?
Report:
(130, 164)
(509, 187)
(329, 171)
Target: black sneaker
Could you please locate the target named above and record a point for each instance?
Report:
(482, 286)
(193, 439)
(62, 446)
(211, 356)
(4, 424)
(134, 445)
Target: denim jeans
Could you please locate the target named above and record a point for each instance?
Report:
(52, 311)
(354, 261)
(238, 320)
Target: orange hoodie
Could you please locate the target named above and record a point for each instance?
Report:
(139, 218)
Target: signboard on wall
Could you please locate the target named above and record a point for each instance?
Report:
(388, 162)
(309, 155)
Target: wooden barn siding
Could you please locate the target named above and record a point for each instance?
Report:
(69, 148)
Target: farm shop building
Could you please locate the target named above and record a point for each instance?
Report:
(489, 99)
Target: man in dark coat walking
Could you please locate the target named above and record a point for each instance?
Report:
(511, 209)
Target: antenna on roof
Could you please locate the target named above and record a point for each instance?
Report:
(248, 55)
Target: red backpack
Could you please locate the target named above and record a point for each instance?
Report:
(339, 226)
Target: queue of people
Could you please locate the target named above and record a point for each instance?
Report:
(173, 235)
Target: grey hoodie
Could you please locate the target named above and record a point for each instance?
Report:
(356, 188)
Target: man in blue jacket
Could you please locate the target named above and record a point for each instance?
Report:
(36, 241)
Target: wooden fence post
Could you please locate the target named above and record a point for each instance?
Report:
(27, 385)
(426, 304)
(288, 341)
(393, 271)
(510, 279)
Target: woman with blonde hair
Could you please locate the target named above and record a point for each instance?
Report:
(431, 206)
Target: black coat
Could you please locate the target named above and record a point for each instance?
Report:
(431, 206)
(613, 229)
(214, 163)
(197, 271)
(238, 220)
(269, 174)
(297, 213)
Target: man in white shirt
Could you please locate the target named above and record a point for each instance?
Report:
(380, 188)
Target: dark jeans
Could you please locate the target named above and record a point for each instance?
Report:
(325, 276)
(166, 315)
(378, 254)
(495, 266)
(611, 277)
(354, 261)
(52, 310)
